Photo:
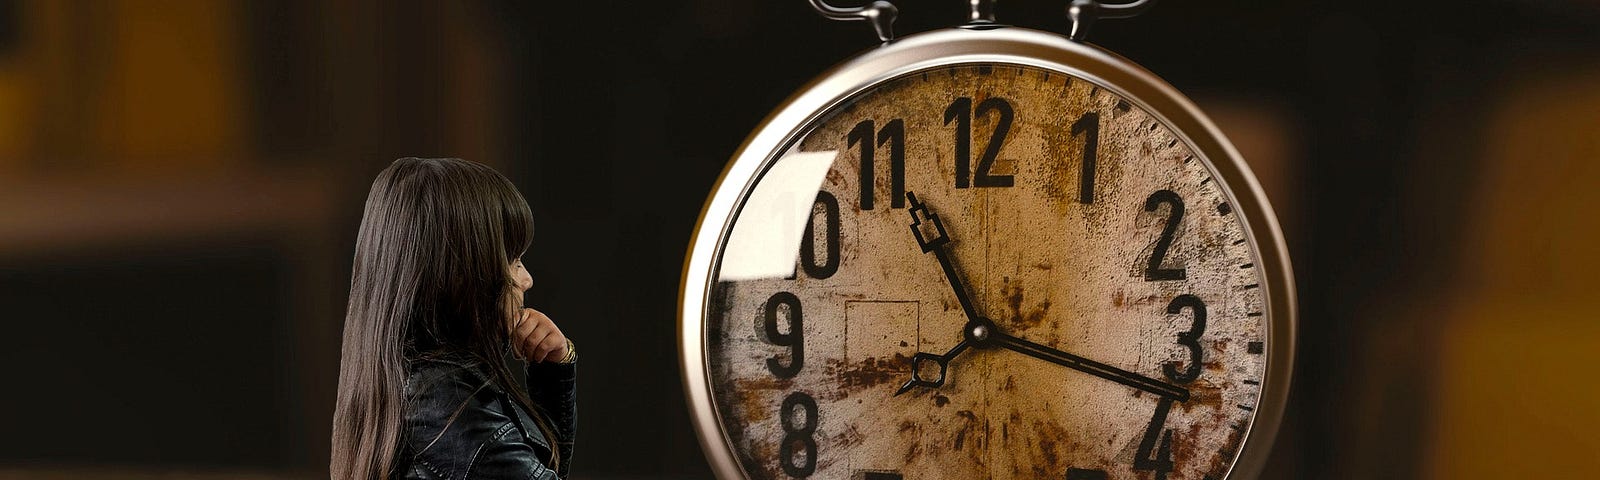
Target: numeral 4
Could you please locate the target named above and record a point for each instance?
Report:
(1161, 462)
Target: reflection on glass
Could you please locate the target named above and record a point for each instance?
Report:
(766, 232)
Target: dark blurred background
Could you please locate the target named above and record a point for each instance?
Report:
(181, 182)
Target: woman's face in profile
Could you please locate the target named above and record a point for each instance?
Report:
(521, 281)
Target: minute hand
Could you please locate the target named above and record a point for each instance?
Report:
(1091, 367)
(932, 238)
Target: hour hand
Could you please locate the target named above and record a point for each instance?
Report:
(942, 360)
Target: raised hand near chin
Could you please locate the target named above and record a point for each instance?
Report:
(535, 338)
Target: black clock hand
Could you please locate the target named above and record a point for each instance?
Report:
(1141, 382)
(936, 245)
(943, 361)
(982, 332)
(934, 241)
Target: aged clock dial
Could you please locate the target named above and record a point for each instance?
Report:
(988, 268)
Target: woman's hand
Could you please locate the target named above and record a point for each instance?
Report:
(537, 339)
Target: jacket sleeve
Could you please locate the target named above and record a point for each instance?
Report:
(553, 387)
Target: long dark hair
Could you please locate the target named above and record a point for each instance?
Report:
(430, 279)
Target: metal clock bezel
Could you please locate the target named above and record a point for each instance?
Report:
(987, 44)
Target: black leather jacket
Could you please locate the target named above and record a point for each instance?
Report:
(460, 425)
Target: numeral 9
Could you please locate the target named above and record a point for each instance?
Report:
(794, 338)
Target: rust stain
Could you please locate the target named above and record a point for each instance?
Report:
(1120, 299)
(869, 372)
(968, 421)
(1036, 316)
(907, 426)
(1053, 441)
(1013, 291)
(751, 391)
(848, 438)
(1230, 447)
(1203, 394)
(913, 451)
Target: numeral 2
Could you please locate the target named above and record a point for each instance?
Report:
(961, 112)
(1174, 217)
(893, 133)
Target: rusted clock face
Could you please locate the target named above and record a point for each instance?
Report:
(1007, 272)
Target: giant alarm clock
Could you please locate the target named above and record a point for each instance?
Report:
(986, 252)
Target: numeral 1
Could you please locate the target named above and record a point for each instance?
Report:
(1089, 126)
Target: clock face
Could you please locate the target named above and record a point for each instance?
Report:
(1007, 272)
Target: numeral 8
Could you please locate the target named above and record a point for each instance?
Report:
(801, 434)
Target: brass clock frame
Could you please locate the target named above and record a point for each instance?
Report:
(993, 44)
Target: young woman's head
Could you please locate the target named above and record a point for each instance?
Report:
(437, 272)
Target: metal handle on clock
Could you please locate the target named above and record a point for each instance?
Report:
(1083, 13)
(879, 13)
(982, 11)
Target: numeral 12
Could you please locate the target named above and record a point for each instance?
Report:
(961, 112)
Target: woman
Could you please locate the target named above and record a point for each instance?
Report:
(435, 296)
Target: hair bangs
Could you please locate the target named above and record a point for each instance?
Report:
(518, 220)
